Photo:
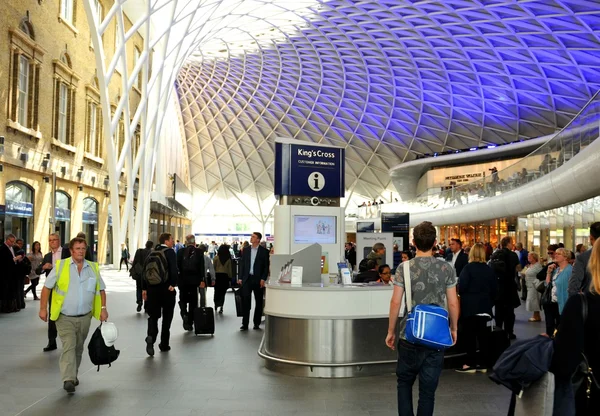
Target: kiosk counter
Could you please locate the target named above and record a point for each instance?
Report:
(318, 330)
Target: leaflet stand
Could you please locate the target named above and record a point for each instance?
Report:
(309, 258)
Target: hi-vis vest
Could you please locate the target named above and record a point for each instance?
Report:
(62, 287)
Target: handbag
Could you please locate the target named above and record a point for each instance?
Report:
(584, 373)
(426, 325)
(26, 280)
(540, 285)
(547, 295)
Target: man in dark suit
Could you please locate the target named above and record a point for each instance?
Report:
(580, 276)
(56, 253)
(254, 272)
(457, 257)
(8, 265)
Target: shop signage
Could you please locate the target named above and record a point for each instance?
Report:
(62, 214)
(2, 210)
(19, 209)
(460, 179)
(309, 170)
(89, 218)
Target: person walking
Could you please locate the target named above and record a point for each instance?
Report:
(137, 271)
(254, 275)
(50, 259)
(477, 287)
(161, 297)
(436, 283)
(124, 257)
(79, 294)
(224, 271)
(35, 257)
(191, 280)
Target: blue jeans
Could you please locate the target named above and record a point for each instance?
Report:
(413, 361)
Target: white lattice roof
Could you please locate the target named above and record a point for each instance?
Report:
(387, 80)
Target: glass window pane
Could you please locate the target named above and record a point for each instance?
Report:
(23, 89)
(62, 114)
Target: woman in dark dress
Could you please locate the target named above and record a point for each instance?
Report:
(477, 288)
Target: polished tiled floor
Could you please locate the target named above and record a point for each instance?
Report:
(215, 376)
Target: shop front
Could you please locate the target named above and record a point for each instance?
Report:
(62, 216)
(19, 209)
(90, 224)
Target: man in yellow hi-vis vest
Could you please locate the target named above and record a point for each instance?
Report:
(77, 295)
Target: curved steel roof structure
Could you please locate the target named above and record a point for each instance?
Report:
(386, 79)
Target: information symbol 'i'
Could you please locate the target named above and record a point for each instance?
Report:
(316, 181)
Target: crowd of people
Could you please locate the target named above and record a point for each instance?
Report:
(481, 284)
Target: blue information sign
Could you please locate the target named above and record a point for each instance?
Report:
(90, 217)
(309, 170)
(62, 214)
(19, 209)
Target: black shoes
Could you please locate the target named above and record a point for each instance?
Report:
(139, 307)
(512, 336)
(50, 347)
(164, 349)
(69, 386)
(256, 327)
(149, 346)
(243, 328)
(221, 310)
(187, 326)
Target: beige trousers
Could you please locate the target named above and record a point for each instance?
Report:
(72, 332)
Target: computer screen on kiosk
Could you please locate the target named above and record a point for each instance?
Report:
(310, 229)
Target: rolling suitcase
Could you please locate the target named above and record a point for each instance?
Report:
(204, 320)
(497, 342)
(238, 302)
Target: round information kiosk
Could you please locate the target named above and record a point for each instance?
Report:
(315, 330)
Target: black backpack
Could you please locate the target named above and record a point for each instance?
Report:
(100, 354)
(156, 269)
(498, 263)
(191, 256)
(137, 271)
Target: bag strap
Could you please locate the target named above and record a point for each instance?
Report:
(407, 285)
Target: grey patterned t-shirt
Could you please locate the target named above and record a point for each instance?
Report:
(430, 277)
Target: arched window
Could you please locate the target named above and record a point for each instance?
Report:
(66, 59)
(90, 205)
(27, 28)
(65, 87)
(19, 192)
(63, 200)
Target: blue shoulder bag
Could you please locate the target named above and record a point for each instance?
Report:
(426, 325)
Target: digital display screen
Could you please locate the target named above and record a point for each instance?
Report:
(394, 222)
(310, 229)
(365, 227)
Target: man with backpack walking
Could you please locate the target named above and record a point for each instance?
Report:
(192, 277)
(505, 264)
(137, 271)
(158, 290)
